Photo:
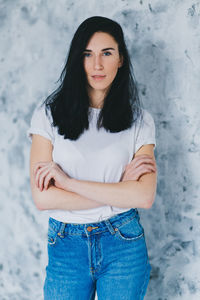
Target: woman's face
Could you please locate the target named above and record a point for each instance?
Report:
(101, 58)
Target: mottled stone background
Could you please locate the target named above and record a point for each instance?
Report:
(163, 38)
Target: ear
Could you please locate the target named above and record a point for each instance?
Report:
(121, 61)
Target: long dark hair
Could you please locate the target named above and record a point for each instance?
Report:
(69, 103)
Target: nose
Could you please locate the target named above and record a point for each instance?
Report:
(98, 63)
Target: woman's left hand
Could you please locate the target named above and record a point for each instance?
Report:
(46, 171)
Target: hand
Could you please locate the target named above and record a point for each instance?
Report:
(139, 166)
(46, 172)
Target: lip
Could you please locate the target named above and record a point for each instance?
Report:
(98, 77)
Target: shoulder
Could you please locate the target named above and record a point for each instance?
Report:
(41, 123)
(42, 115)
(42, 111)
(146, 115)
(145, 119)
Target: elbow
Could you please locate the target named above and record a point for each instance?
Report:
(149, 202)
(148, 205)
(37, 201)
(149, 198)
(38, 204)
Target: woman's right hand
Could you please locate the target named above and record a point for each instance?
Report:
(139, 166)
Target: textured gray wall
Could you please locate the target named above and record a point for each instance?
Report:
(164, 41)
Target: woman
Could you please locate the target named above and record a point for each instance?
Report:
(92, 165)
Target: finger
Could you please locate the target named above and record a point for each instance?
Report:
(47, 179)
(40, 164)
(137, 163)
(135, 173)
(146, 172)
(142, 156)
(143, 170)
(37, 177)
(41, 177)
(38, 174)
(139, 171)
(144, 159)
(148, 165)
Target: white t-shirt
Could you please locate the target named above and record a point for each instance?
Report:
(99, 156)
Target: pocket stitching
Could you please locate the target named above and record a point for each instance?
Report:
(52, 241)
(120, 235)
(129, 239)
(52, 235)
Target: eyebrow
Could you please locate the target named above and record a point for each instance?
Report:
(88, 50)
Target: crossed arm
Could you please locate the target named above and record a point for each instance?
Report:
(80, 194)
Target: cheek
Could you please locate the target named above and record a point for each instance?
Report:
(112, 69)
(87, 67)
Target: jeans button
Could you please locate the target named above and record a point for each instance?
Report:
(89, 228)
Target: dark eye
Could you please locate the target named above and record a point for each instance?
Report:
(86, 54)
(107, 52)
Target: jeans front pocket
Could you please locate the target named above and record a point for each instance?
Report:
(131, 230)
(53, 229)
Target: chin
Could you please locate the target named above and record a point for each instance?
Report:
(99, 86)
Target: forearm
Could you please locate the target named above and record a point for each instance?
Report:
(55, 198)
(126, 194)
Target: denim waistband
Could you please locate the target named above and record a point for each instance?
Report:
(94, 228)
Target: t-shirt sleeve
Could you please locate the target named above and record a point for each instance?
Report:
(145, 131)
(41, 124)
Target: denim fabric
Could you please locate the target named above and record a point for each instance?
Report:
(109, 257)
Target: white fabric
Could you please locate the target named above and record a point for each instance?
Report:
(98, 156)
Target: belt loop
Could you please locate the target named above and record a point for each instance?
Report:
(110, 227)
(61, 232)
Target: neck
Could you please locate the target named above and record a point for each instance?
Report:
(96, 97)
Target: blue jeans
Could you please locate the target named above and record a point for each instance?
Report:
(109, 257)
